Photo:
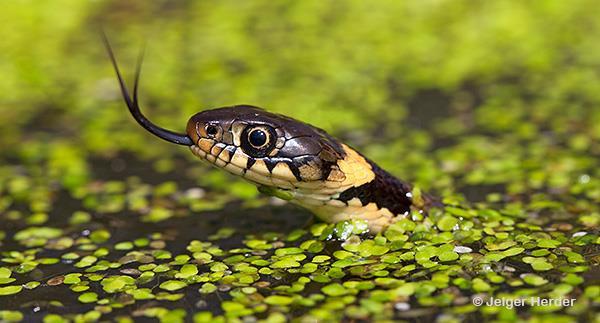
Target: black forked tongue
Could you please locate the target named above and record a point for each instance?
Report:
(134, 108)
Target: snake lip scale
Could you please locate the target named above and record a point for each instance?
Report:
(289, 159)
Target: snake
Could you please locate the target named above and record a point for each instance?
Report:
(291, 160)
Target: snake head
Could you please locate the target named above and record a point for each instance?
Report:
(267, 148)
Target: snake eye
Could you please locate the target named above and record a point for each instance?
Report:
(211, 130)
(257, 138)
(258, 141)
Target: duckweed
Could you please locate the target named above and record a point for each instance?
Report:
(173, 285)
(88, 297)
(9, 290)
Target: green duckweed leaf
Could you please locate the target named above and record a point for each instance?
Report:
(10, 290)
(173, 285)
(88, 297)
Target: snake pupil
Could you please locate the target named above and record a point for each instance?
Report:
(211, 130)
(257, 138)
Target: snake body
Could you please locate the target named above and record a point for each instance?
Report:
(292, 160)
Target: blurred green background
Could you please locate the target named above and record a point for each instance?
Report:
(492, 105)
(415, 85)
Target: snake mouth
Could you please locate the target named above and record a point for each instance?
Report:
(233, 160)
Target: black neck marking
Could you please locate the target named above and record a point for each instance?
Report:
(385, 190)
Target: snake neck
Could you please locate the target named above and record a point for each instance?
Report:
(385, 191)
(371, 194)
